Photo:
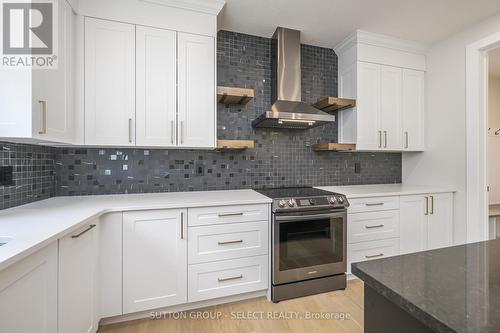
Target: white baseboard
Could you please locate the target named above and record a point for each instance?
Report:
(182, 307)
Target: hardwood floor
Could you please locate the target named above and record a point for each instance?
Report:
(348, 302)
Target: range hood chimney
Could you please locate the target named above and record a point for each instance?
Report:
(288, 110)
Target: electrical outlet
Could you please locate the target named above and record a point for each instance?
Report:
(200, 170)
(6, 176)
(357, 167)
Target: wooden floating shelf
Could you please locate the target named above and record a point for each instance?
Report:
(235, 144)
(332, 104)
(340, 147)
(229, 95)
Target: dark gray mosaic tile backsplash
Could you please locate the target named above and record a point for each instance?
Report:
(280, 157)
(33, 173)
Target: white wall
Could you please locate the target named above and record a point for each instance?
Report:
(494, 140)
(444, 161)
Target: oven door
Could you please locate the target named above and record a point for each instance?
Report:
(308, 245)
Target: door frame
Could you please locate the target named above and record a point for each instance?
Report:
(476, 131)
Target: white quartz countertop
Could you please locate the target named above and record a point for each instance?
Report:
(384, 190)
(38, 224)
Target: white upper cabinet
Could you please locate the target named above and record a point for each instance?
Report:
(39, 104)
(156, 89)
(413, 110)
(109, 83)
(368, 107)
(390, 107)
(389, 89)
(196, 94)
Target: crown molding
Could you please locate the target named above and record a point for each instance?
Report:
(203, 6)
(365, 37)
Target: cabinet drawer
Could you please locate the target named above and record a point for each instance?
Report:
(227, 241)
(228, 214)
(372, 204)
(228, 277)
(362, 227)
(371, 250)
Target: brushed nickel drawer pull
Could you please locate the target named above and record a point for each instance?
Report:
(374, 256)
(231, 278)
(380, 139)
(426, 206)
(369, 204)
(182, 225)
(374, 226)
(172, 132)
(231, 242)
(385, 139)
(92, 226)
(230, 214)
(407, 141)
(130, 130)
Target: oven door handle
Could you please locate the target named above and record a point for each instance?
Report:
(291, 218)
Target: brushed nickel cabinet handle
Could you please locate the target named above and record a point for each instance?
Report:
(432, 204)
(385, 139)
(130, 130)
(231, 242)
(380, 139)
(230, 214)
(374, 226)
(182, 225)
(92, 226)
(172, 132)
(369, 204)
(43, 117)
(426, 206)
(374, 256)
(230, 278)
(407, 140)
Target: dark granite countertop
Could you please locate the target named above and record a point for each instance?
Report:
(455, 289)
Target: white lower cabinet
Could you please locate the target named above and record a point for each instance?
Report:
(379, 227)
(154, 259)
(28, 294)
(428, 222)
(78, 282)
(228, 277)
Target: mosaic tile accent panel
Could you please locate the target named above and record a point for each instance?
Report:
(280, 157)
(33, 174)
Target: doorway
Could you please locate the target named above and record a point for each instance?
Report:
(477, 82)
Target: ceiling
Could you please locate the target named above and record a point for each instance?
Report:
(328, 22)
(494, 62)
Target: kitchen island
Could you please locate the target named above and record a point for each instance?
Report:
(455, 289)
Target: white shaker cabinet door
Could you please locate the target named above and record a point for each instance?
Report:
(390, 107)
(413, 226)
(196, 91)
(156, 87)
(413, 109)
(109, 83)
(440, 225)
(78, 281)
(154, 259)
(28, 294)
(369, 136)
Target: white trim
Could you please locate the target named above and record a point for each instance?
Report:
(476, 126)
(204, 6)
(365, 37)
(182, 307)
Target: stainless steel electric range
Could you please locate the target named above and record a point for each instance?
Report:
(308, 241)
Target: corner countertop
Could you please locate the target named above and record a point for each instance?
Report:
(385, 190)
(38, 224)
(455, 289)
(494, 210)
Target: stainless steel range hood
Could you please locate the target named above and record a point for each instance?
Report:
(288, 111)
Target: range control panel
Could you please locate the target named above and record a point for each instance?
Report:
(334, 201)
